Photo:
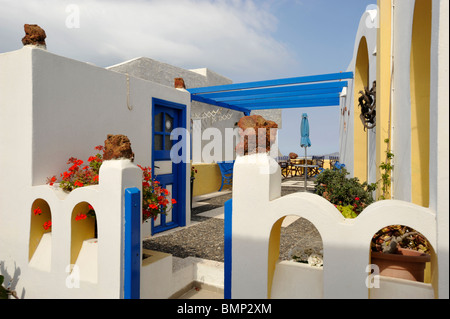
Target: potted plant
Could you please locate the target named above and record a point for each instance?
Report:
(400, 252)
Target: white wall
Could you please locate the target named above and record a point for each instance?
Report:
(76, 105)
(403, 13)
(439, 132)
(401, 113)
(257, 206)
(52, 108)
(346, 147)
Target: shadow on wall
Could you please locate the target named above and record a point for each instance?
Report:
(10, 281)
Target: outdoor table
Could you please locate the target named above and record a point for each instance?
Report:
(296, 168)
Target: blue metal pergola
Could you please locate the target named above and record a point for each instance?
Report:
(306, 91)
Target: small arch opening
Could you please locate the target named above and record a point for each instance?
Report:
(420, 67)
(83, 227)
(401, 252)
(360, 135)
(295, 243)
(39, 252)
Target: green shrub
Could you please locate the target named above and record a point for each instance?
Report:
(335, 186)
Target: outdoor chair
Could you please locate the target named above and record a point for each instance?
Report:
(283, 161)
(333, 160)
(226, 169)
(318, 160)
(338, 166)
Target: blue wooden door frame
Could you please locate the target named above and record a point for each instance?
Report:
(132, 244)
(179, 170)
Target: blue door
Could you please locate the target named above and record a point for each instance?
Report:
(166, 117)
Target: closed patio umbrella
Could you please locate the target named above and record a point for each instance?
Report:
(305, 141)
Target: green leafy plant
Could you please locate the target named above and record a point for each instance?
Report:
(347, 211)
(345, 193)
(386, 169)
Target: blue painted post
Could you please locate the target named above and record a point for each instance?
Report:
(132, 263)
(228, 248)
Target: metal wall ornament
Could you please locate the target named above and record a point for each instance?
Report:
(367, 102)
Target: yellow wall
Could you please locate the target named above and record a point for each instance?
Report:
(81, 230)
(420, 102)
(359, 135)
(383, 85)
(207, 179)
(274, 253)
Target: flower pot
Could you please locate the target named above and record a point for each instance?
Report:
(406, 264)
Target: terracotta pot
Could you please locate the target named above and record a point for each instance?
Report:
(406, 264)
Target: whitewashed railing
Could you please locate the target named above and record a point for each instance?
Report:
(252, 237)
(98, 271)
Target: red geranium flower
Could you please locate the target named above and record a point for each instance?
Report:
(78, 183)
(37, 211)
(51, 180)
(80, 216)
(47, 225)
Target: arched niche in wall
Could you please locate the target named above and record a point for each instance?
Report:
(40, 234)
(83, 227)
(420, 102)
(360, 144)
(413, 260)
(290, 236)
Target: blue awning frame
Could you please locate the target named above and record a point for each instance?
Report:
(297, 92)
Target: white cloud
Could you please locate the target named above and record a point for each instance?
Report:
(232, 37)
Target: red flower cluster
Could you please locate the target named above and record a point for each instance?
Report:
(78, 176)
(80, 216)
(154, 197)
(47, 224)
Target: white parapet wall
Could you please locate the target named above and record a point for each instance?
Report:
(97, 272)
(258, 212)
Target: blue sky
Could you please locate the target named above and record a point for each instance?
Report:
(322, 34)
(245, 40)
